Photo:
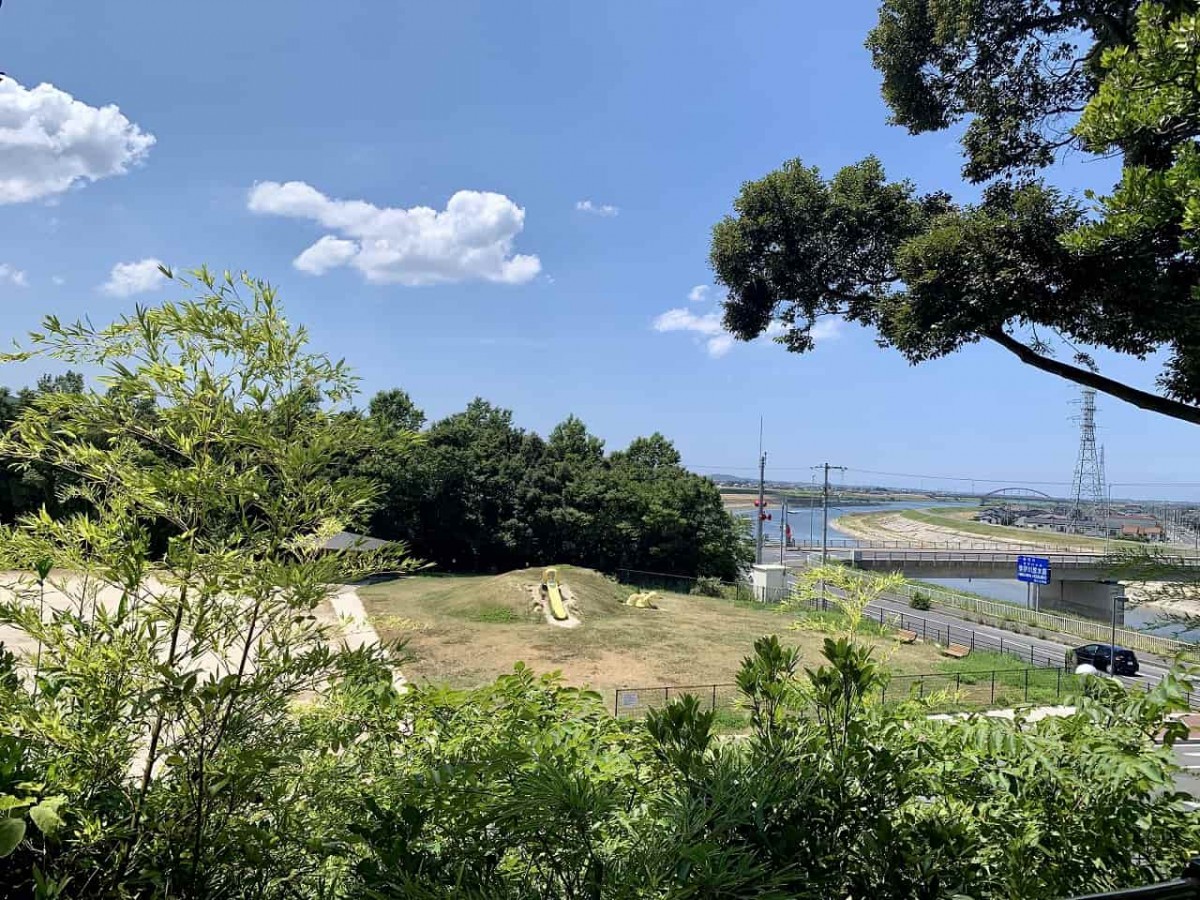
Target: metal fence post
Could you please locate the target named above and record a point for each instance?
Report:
(1058, 688)
(1026, 685)
(993, 700)
(666, 695)
(714, 706)
(957, 681)
(924, 629)
(972, 639)
(616, 701)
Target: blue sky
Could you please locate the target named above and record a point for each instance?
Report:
(658, 110)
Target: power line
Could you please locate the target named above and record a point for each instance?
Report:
(962, 478)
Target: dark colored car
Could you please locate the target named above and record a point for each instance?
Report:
(1125, 662)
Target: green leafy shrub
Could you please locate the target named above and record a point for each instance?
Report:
(920, 600)
(708, 586)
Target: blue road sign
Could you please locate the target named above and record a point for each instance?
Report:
(1034, 569)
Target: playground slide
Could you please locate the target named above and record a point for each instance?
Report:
(550, 583)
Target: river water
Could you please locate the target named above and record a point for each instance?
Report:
(806, 525)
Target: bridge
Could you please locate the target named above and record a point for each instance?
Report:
(1079, 581)
(1014, 493)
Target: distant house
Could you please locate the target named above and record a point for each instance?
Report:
(995, 516)
(1143, 532)
(1046, 522)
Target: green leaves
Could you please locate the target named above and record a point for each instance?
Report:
(11, 833)
(45, 815)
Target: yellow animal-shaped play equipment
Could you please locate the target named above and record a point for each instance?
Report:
(554, 594)
(643, 600)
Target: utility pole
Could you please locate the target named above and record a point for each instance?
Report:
(825, 509)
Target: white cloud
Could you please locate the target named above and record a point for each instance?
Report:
(597, 209)
(708, 326)
(717, 341)
(12, 275)
(59, 280)
(50, 141)
(127, 279)
(470, 240)
(702, 293)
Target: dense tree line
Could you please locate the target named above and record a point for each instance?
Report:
(475, 492)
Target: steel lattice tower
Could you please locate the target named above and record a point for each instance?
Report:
(1088, 496)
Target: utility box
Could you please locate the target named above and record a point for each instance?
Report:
(768, 583)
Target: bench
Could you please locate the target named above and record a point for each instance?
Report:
(904, 636)
(957, 651)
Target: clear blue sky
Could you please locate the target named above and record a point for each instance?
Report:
(654, 112)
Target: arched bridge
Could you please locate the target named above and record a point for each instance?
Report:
(1015, 493)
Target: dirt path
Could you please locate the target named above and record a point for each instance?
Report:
(343, 610)
(357, 631)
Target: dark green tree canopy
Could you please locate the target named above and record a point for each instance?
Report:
(1019, 71)
(1026, 266)
(394, 409)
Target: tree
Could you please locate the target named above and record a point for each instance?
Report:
(1025, 263)
(151, 735)
(394, 409)
(476, 493)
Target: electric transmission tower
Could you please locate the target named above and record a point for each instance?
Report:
(1087, 501)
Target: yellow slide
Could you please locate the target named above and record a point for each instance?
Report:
(550, 586)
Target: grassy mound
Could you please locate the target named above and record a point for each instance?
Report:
(506, 598)
(465, 630)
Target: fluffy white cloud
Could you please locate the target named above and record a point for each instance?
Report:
(59, 280)
(597, 209)
(127, 279)
(702, 293)
(717, 341)
(50, 141)
(12, 275)
(708, 326)
(471, 239)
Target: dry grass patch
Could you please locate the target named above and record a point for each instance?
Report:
(467, 630)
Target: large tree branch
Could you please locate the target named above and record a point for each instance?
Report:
(1146, 400)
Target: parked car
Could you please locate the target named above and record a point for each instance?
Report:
(1125, 661)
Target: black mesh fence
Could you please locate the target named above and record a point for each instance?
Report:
(940, 691)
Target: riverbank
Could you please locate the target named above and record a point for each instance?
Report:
(955, 525)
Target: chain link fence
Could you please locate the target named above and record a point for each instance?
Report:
(942, 691)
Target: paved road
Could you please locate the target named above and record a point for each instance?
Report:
(1044, 650)
(1188, 756)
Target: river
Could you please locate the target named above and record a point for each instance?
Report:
(806, 526)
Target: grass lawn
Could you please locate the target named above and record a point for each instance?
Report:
(986, 679)
(466, 630)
